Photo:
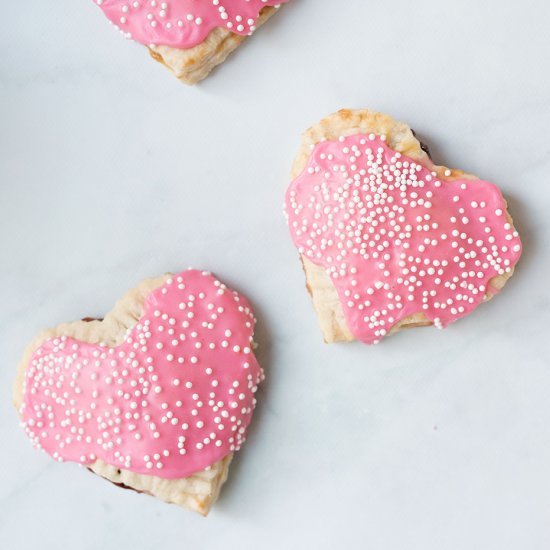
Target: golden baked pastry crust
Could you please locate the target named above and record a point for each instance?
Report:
(194, 64)
(400, 138)
(197, 492)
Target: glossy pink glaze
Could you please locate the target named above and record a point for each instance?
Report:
(173, 398)
(182, 23)
(396, 239)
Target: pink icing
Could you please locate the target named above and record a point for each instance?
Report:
(396, 239)
(182, 23)
(173, 398)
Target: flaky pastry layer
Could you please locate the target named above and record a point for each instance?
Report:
(194, 64)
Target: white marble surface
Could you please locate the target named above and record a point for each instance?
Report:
(112, 171)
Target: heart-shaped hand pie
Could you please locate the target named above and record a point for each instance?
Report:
(388, 239)
(156, 396)
(189, 37)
